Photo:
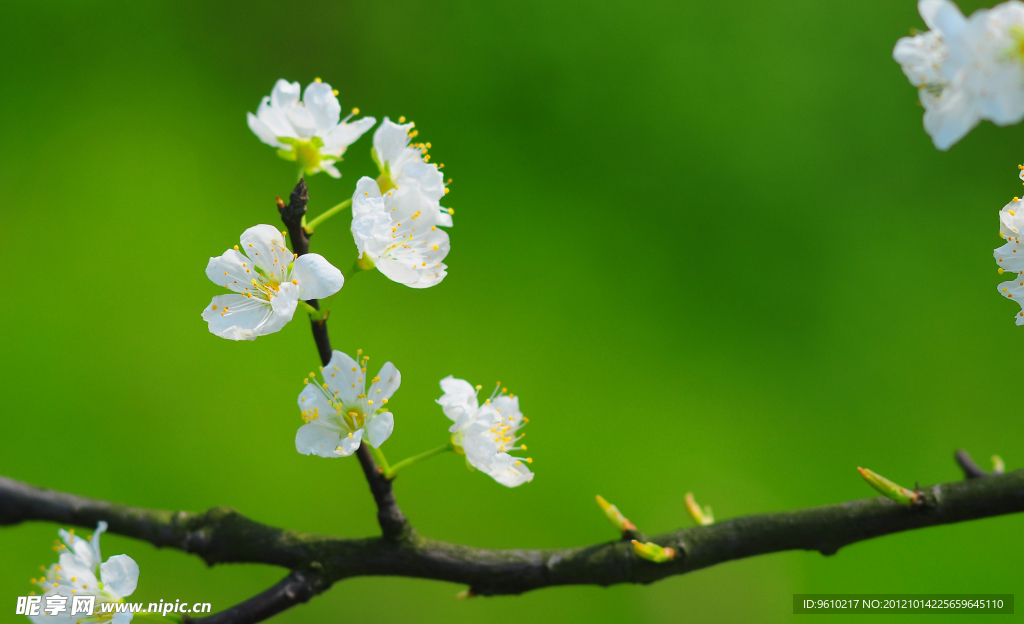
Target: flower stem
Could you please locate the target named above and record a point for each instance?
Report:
(316, 315)
(311, 225)
(417, 458)
(378, 456)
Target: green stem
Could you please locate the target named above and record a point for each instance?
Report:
(417, 458)
(316, 315)
(382, 462)
(311, 225)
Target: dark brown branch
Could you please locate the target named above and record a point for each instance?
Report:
(296, 588)
(223, 535)
(971, 469)
(392, 521)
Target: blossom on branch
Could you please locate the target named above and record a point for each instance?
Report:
(487, 433)
(403, 165)
(80, 572)
(1010, 257)
(398, 233)
(966, 69)
(311, 131)
(339, 411)
(269, 281)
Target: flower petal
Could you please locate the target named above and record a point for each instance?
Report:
(233, 271)
(322, 104)
(317, 277)
(337, 140)
(379, 428)
(350, 444)
(427, 176)
(263, 131)
(314, 439)
(344, 378)
(312, 402)
(390, 139)
(390, 379)
(509, 471)
(237, 317)
(120, 576)
(459, 395)
(266, 246)
(285, 94)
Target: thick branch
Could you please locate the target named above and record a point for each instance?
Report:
(222, 535)
(296, 588)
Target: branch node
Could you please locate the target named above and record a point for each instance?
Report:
(971, 469)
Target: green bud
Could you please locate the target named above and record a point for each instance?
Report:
(702, 517)
(615, 516)
(652, 552)
(887, 488)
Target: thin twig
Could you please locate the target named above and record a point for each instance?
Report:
(971, 469)
(294, 589)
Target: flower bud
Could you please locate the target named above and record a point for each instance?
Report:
(652, 552)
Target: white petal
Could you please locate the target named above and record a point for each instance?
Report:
(344, 377)
(72, 566)
(390, 380)
(233, 271)
(427, 176)
(312, 402)
(276, 120)
(266, 246)
(314, 439)
(122, 618)
(329, 168)
(322, 104)
(941, 15)
(316, 276)
(337, 140)
(948, 117)
(390, 139)
(506, 472)
(379, 428)
(284, 305)
(398, 271)
(350, 445)
(237, 317)
(101, 528)
(120, 576)
(444, 218)
(285, 94)
(302, 120)
(263, 131)
(459, 395)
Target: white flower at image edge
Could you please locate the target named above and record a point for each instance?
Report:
(310, 131)
(405, 166)
(398, 233)
(486, 433)
(80, 572)
(339, 411)
(269, 281)
(966, 69)
(1010, 257)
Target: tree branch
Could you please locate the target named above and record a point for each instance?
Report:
(223, 535)
(296, 588)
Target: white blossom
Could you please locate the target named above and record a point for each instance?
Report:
(966, 69)
(405, 165)
(339, 411)
(81, 571)
(269, 281)
(487, 433)
(398, 233)
(1010, 257)
(311, 131)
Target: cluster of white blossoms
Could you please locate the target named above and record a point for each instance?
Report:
(268, 281)
(1010, 257)
(339, 411)
(396, 221)
(311, 131)
(966, 69)
(81, 571)
(487, 433)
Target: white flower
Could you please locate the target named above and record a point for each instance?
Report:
(308, 132)
(967, 69)
(81, 571)
(403, 165)
(339, 411)
(269, 284)
(949, 111)
(1010, 257)
(486, 433)
(398, 233)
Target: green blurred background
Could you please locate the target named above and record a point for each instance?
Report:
(707, 243)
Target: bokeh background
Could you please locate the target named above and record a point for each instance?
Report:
(707, 243)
